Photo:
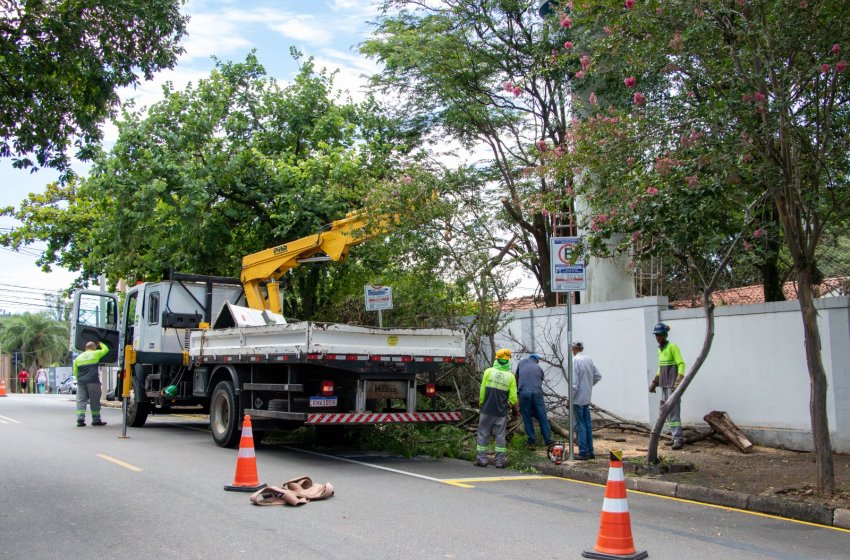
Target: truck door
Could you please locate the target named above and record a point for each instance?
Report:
(94, 317)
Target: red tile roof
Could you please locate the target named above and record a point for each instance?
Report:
(755, 294)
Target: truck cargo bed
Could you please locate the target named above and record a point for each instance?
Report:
(328, 341)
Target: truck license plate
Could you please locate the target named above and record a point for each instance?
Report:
(321, 402)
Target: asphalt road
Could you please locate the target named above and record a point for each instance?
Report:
(68, 492)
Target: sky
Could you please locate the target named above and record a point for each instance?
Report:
(327, 30)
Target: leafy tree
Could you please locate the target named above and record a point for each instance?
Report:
(482, 73)
(62, 62)
(41, 339)
(233, 165)
(59, 305)
(728, 102)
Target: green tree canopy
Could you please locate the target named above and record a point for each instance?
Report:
(711, 105)
(62, 62)
(484, 75)
(42, 339)
(222, 169)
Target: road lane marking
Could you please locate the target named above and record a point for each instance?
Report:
(457, 482)
(7, 420)
(119, 462)
(379, 467)
(461, 481)
(715, 506)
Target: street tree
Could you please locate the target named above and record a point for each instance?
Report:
(224, 168)
(61, 64)
(741, 102)
(41, 339)
(481, 74)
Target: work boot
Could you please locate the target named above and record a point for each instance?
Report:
(81, 422)
(677, 445)
(98, 422)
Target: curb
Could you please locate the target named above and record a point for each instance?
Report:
(771, 505)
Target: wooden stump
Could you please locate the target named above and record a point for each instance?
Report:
(723, 425)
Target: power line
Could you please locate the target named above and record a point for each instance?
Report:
(44, 290)
(18, 303)
(26, 252)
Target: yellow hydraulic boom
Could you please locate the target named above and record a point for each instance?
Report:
(268, 265)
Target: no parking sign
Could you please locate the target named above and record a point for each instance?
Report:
(568, 270)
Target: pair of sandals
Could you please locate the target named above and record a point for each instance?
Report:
(295, 492)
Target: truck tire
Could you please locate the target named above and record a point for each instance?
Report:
(137, 410)
(224, 415)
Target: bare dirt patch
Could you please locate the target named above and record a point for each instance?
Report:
(764, 471)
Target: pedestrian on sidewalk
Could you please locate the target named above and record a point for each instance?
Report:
(41, 380)
(23, 380)
(498, 392)
(671, 371)
(585, 376)
(531, 404)
(86, 370)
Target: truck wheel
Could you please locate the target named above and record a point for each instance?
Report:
(137, 410)
(224, 415)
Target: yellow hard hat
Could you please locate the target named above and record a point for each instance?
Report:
(503, 354)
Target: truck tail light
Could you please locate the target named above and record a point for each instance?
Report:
(430, 390)
(327, 388)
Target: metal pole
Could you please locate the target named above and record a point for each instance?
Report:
(123, 417)
(380, 319)
(570, 368)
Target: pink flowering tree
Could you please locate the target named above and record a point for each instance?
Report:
(717, 109)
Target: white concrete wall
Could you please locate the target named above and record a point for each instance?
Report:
(756, 369)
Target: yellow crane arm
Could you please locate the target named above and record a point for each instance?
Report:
(268, 265)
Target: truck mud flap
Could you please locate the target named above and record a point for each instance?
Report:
(362, 418)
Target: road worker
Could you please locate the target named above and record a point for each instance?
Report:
(86, 370)
(671, 371)
(498, 393)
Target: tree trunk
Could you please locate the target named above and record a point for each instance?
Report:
(655, 435)
(798, 235)
(708, 307)
(772, 279)
(817, 379)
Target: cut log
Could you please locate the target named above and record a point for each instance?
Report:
(723, 425)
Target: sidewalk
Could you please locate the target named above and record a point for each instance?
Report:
(709, 486)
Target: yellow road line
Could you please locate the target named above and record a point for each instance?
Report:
(715, 506)
(12, 420)
(119, 462)
(456, 483)
(460, 481)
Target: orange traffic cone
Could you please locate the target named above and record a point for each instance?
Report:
(246, 463)
(2, 387)
(615, 528)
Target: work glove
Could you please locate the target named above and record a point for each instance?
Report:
(677, 381)
(653, 385)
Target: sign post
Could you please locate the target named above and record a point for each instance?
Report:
(378, 298)
(568, 275)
